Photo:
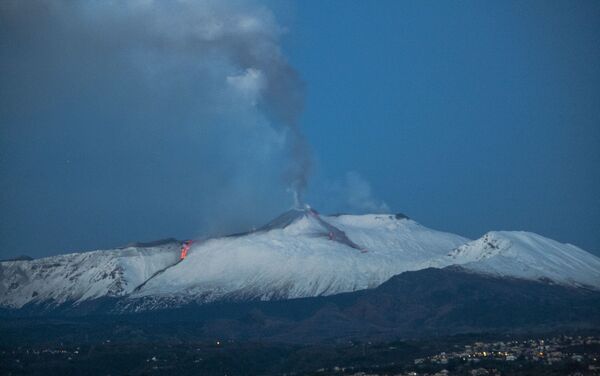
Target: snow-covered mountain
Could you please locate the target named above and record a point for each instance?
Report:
(529, 256)
(77, 277)
(299, 254)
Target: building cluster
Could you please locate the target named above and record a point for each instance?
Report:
(41, 352)
(474, 372)
(548, 351)
(476, 356)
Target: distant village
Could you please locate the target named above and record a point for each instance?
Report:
(550, 351)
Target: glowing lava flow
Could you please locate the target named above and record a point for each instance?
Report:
(185, 249)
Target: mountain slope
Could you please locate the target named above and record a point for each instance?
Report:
(429, 302)
(301, 254)
(78, 277)
(530, 256)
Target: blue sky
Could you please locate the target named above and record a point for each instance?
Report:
(467, 116)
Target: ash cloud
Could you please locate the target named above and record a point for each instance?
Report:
(144, 118)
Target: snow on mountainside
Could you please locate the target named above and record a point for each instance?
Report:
(299, 254)
(77, 277)
(529, 256)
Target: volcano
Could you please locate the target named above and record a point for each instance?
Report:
(299, 254)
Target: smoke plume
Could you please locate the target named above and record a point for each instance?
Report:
(143, 118)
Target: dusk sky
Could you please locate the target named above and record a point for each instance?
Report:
(123, 123)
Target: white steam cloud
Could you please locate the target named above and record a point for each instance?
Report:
(354, 193)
